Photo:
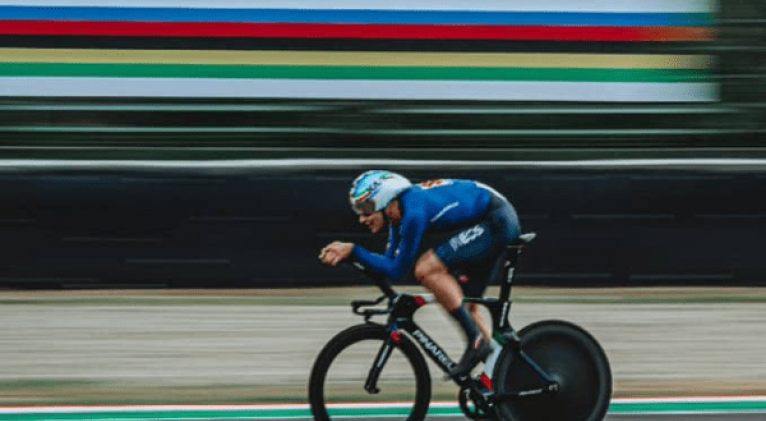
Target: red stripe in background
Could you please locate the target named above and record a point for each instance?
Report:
(258, 30)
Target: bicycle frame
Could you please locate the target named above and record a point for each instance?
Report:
(402, 308)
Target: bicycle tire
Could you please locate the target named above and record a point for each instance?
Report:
(369, 332)
(569, 355)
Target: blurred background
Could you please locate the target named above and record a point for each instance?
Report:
(149, 144)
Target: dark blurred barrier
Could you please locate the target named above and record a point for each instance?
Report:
(225, 228)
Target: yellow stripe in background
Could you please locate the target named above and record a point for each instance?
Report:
(313, 58)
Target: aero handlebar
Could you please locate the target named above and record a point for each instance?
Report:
(380, 280)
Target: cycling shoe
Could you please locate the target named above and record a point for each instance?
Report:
(473, 355)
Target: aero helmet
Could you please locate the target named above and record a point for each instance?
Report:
(374, 190)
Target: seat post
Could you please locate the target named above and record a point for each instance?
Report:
(511, 257)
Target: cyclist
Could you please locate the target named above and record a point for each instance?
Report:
(486, 222)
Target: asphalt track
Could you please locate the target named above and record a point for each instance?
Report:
(664, 349)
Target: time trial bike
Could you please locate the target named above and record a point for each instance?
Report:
(549, 370)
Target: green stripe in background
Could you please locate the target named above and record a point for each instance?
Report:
(351, 72)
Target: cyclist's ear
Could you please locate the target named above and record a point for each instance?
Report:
(393, 211)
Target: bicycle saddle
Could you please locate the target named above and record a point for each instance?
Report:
(523, 239)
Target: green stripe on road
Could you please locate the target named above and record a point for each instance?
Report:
(351, 72)
(683, 407)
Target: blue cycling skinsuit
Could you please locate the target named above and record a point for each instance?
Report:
(487, 221)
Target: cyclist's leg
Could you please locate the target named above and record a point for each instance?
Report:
(481, 323)
(475, 246)
(468, 265)
(449, 291)
(465, 248)
(434, 275)
(436, 278)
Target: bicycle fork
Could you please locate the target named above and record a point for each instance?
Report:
(371, 384)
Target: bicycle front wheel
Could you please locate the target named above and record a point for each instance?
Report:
(568, 355)
(342, 369)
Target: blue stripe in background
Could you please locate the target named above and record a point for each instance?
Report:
(131, 14)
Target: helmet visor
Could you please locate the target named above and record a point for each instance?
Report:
(365, 208)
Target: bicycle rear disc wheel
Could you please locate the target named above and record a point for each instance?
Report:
(571, 357)
(341, 369)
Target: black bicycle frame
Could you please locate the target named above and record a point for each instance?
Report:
(401, 312)
(401, 320)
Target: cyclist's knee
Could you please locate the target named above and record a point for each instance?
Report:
(428, 265)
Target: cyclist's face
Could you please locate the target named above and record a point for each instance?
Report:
(374, 221)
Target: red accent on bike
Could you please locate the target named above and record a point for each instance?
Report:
(486, 381)
(420, 301)
(396, 336)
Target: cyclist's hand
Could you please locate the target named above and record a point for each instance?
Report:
(335, 253)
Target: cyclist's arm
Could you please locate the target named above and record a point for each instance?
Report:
(410, 236)
(393, 241)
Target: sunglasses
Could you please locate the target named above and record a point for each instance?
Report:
(365, 208)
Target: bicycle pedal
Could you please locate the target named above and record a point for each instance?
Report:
(474, 404)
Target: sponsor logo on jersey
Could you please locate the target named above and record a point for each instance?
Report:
(466, 237)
